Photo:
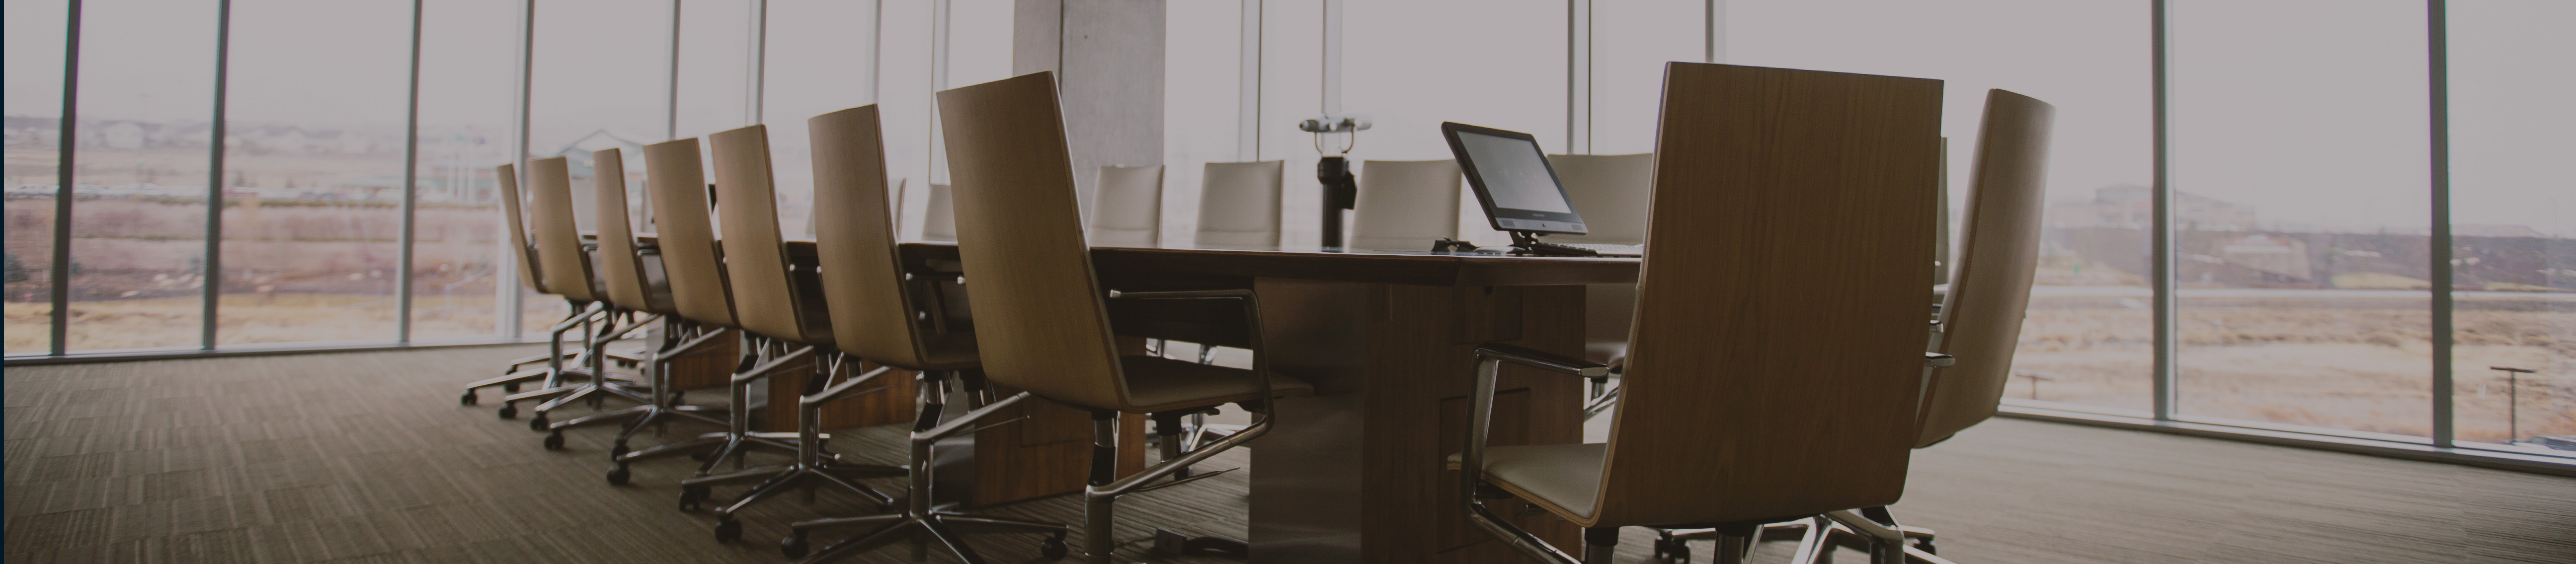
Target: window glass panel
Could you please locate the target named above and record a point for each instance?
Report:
(2088, 340)
(1631, 43)
(1291, 67)
(821, 55)
(2513, 215)
(716, 65)
(313, 171)
(469, 66)
(34, 105)
(2302, 213)
(1501, 65)
(1202, 105)
(139, 214)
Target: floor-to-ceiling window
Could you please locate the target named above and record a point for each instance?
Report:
(602, 79)
(147, 76)
(2299, 133)
(313, 171)
(468, 78)
(34, 106)
(2513, 222)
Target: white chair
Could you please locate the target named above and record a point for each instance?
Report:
(1128, 208)
(939, 222)
(1405, 205)
(1610, 191)
(1239, 204)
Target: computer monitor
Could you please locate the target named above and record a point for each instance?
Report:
(1512, 180)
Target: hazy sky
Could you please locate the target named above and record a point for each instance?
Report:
(2313, 111)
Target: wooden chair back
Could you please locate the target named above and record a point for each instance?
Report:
(566, 267)
(676, 179)
(1999, 249)
(1779, 336)
(1040, 325)
(854, 234)
(1129, 209)
(939, 215)
(764, 292)
(619, 268)
(1405, 205)
(1239, 204)
(1610, 192)
(516, 222)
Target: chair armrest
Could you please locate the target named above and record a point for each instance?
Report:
(1542, 359)
(1938, 360)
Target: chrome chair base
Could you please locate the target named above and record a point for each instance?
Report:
(918, 517)
(1817, 538)
(811, 467)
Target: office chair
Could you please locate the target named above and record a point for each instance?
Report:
(939, 217)
(635, 280)
(564, 265)
(1405, 205)
(1040, 321)
(1239, 204)
(783, 312)
(1610, 191)
(1982, 315)
(703, 296)
(880, 313)
(579, 313)
(1775, 359)
(1128, 208)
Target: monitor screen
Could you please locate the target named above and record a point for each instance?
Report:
(1513, 180)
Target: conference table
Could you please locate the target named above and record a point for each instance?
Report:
(1357, 472)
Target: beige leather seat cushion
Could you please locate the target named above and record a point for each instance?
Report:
(1162, 384)
(1564, 478)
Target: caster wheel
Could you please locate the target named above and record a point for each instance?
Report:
(617, 475)
(794, 546)
(537, 423)
(1663, 548)
(728, 529)
(1053, 549)
(509, 411)
(617, 451)
(510, 388)
(1679, 555)
(468, 399)
(554, 440)
(1926, 545)
(691, 497)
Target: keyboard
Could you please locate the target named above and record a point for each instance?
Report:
(1608, 250)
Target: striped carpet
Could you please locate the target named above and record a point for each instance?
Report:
(366, 457)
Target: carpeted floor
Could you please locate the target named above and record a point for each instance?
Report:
(366, 457)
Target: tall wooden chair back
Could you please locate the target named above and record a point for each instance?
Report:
(619, 268)
(854, 232)
(939, 215)
(516, 222)
(1405, 205)
(764, 296)
(1040, 325)
(1610, 192)
(566, 267)
(1129, 209)
(1982, 315)
(1779, 335)
(1239, 204)
(676, 179)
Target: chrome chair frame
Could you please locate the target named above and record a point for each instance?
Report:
(919, 508)
(1106, 487)
(811, 462)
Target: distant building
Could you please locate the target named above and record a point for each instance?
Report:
(2130, 206)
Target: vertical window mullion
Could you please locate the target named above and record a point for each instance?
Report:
(59, 274)
(2161, 216)
(215, 177)
(410, 187)
(2437, 67)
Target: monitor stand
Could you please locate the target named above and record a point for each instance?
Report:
(1527, 243)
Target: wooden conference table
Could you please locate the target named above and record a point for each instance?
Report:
(1357, 473)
